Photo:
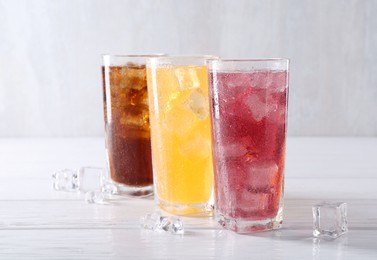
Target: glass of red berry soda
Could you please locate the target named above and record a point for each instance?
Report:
(249, 123)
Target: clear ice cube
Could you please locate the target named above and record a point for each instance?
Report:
(158, 223)
(198, 104)
(163, 224)
(261, 175)
(135, 76)
(176, 226)
(150, 221)
(94, 197)
(279, 81)
(242, 79)
(251, 201)
(65, 180)
(257, 107)
(330, 219)
(177, 118)
(109, 188)
(261, 80)
(135, 117)
(187, 78)
(91, 178)
(234, 150)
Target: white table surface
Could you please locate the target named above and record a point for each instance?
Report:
(37, 222)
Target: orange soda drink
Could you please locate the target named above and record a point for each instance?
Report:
(180, 134)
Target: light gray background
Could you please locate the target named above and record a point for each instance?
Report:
(50, 81)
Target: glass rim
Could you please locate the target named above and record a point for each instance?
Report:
(133, 55)
(253, 60)
(186, 57)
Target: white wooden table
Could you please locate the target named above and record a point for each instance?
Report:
(37, 222)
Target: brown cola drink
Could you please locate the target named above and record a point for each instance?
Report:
(126, 112)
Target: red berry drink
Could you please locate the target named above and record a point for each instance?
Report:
(249, 112)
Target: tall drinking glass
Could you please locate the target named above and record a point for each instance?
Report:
(181, 135)
(127, 133)
(249, 122)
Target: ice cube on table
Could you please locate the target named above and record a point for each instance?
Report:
(187, 78)
(164, 224)
(150, 221)
(176, 226)
(109, 188)
(155, 221)
(330, 219)
(95, 197)
(91, 178)
(65, 180)
(158, 223)
(197, 102)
